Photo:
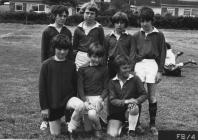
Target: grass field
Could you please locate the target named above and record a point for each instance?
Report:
(19, 71)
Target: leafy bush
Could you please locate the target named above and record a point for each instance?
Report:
(167, 21)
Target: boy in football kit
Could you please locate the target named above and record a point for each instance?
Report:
(58, 88)
(119, 42)
(92, 86)
(150, 58)
(126, 93)
(59, 14)
(87, 32)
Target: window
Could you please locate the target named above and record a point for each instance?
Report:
(38, 8)
(195, 12)
(41, 7)
(18, 6)
(171, 11)
(187, 12)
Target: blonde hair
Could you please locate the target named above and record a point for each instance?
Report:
(92, 6)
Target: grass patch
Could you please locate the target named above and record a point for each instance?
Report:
(19, 71)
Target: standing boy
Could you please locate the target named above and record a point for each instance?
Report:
(126, 93)
(119, 42)
(87, 32)
(150, 58)
(92, 85)
(59, 13)
(57, 87)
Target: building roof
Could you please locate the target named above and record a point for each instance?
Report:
(180, 2)
(158, 3)
(27, 0)
(155, 3)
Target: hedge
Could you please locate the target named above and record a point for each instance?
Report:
(170, 22)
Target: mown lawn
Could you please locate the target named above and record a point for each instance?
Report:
(19, 71)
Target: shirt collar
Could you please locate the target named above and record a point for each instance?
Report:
(155, 30)
(95, 26)
(113, 33)
(53, 25)
(116, 77)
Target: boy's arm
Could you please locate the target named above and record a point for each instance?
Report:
(162, 58)
(80, 84)
(141, 91)
(43, 88)
(74, 80)
(105, 84)
(101, 36)
(132, 53)
(75, 40)
(44, 46)
(113, 97)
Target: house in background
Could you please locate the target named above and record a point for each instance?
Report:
(154, 4)
(180, 7)
(38, 6)
(173, 7)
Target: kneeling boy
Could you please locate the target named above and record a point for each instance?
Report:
(92, 86)
(126, 92)
(57, 87)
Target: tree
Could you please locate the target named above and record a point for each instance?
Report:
(72, 3)
(120, 4)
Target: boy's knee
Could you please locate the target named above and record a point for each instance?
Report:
(92, 114)
(80, 107)
(79, 104)
(113, 133)
(134, 110)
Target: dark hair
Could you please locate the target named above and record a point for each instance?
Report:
(57, 10)
(92, 6)
(146, 14)
(118, 61)
(168, 46)
(96, 49)
(120, 16)
(61, 41)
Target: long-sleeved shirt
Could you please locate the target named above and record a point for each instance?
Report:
(118, 93)
(81, 40)
(48, 34)
(57, 83)
(92, 81)
(124, 46)
(151, 46)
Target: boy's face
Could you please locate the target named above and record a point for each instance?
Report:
(95, 60)
(61, 18)
(89, 16)
(146, 25)
(61, 53)
(119, 26)
(124, 71)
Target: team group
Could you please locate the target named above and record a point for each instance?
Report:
(79, 73)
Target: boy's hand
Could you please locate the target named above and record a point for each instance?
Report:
(130, 101)
(88, 105)
(99, 104)
(158, 77)
(45, 113)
